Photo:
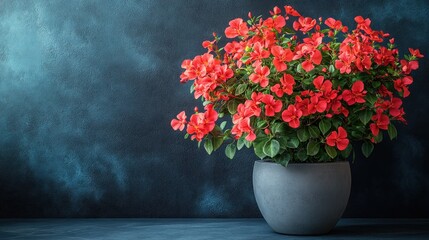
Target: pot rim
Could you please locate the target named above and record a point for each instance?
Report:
(304, 163)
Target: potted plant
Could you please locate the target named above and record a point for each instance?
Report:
(299, 91)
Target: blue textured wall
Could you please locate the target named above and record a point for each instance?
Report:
(88, 88)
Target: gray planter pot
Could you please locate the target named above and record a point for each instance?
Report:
(302, 198)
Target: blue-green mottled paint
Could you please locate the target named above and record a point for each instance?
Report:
(88, 88)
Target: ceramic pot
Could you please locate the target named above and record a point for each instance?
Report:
(302, 198)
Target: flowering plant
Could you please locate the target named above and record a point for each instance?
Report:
(299, 94)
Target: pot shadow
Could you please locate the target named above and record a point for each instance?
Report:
(398, 230)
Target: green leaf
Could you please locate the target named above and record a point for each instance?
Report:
(325, 125)
(302, 155)
(356, 134)
(313, 148)
(303, 134)
(240, 143)
(192, 89)
(346, 152)
(217, 142)
(314, 131)
(248, 93)
(370, 98)
(288, 30)
(186, 136)
(299, 68)
(376, 84)
(205, 103)
(293, 142)
(271, 148)
(336, 122)
(365, 116)
(217, 131)
(331, 68)
(222, 125)
(245, 58)
(283, 142)
(324, 157)
(278, 128)
(241, 89)
(367, 148)
(331, 151)
(259, 149)
(283, 159)
(232, 106)
(208, 145)
(247, 143)
(392, 131)
(379, 137)
(261, 124)
(230, 150)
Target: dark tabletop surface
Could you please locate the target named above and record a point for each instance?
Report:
(120, 228)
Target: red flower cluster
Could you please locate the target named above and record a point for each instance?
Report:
(199, 125)
(338, 139)
(315, 82)
(208, 73)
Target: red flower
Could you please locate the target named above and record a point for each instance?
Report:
(407, 67)
(180, 122)
(310, 51)
(259, 52)
(208, 45)
(343, 66)
(291, 11)
(280, 57)
(302, 104)
(304, 24)
(241, 121)
(234, 48)
(415, 53)
(271, 106)
(276, 22)
(292, 115)
(325, 87)
(317, 105)
(401, 85)
(241, 127)
(381, 121)
(394, 107)
(210, 117)
(315, 58)
(363, 24)
(338, 139)
(356, 95)
(276, 11)
(237, 27)
(334, 24)
(201, 124)
(223, 72)
(260, 75)
(286, 85)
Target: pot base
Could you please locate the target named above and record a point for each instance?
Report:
(302, 198)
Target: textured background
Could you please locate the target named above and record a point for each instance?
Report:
(88, 88)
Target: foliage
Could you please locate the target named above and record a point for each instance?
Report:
(299, 94)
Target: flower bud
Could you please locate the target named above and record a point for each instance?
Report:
(267, 131)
